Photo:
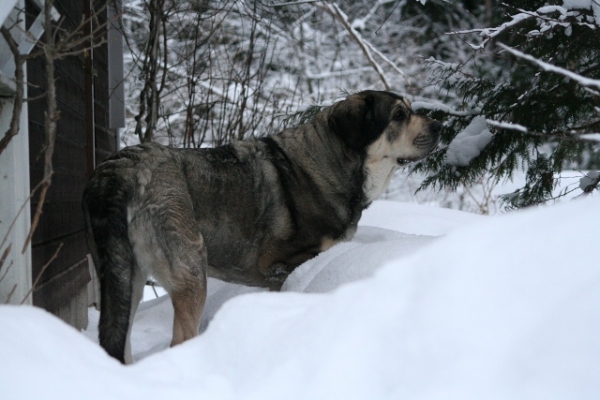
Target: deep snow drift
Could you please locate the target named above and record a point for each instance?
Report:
(505, 307)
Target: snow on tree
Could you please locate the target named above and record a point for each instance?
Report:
(535, 78)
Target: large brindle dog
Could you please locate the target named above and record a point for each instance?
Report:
(247, 212)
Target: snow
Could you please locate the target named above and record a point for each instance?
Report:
(545, 23)
(591, 136)
(415, 219)
(427, 105)
(489, 33)
(507, 125)
(469, 143)
(495, 308)
(577, 4)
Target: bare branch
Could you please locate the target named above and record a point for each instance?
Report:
(490, 33)
(50, 120)
(13, 129)
(365, 46)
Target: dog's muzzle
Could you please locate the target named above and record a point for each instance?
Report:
(425, 141)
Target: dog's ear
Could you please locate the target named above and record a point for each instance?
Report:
(359, 120)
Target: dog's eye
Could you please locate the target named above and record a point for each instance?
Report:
(400, 115)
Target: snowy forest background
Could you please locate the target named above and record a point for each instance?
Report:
(516, 84)
(424, 302)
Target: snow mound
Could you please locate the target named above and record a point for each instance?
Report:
(346, 262)
(415, 219)
(501, 308)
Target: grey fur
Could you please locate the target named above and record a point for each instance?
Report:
(248, 212)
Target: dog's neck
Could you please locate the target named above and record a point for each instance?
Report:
(377, 166)
(324, 155)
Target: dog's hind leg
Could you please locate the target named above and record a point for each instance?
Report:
(166, 240)
(184, 277)
(137, 293)
(187, 283)
(188, 303)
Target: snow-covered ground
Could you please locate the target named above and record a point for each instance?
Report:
(424, 303)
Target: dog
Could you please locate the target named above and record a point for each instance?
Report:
(248, 212)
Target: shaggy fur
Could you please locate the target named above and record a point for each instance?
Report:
(247, 212)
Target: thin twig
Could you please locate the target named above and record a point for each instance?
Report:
(50, 121)
(3, 260)
(336, 13)
(10, 294)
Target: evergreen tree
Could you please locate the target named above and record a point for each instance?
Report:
(535, 79)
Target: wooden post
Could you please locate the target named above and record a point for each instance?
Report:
(15, 216)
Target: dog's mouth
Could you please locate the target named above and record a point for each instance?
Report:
(403, 161)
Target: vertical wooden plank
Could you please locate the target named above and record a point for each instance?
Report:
(88, 91)
(116, 87)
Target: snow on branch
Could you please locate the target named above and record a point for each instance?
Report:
(582, 80)
(594, 137)
(490, 33)
(569, 135)
(436, 106)
(507, 125)
(546, 23)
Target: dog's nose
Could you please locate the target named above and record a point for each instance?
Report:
(435, 127)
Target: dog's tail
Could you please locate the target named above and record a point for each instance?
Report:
(105, 202)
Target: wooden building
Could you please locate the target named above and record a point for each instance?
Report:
(90, 99)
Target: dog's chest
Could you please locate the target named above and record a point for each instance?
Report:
(379, 174)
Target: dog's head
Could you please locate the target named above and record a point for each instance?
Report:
(382, 125)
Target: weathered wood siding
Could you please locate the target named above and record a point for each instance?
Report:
(66, 277)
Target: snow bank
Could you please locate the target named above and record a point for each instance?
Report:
(469, 143)
(503, 307)
(415, 219)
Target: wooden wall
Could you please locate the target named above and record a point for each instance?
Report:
(63, 281)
